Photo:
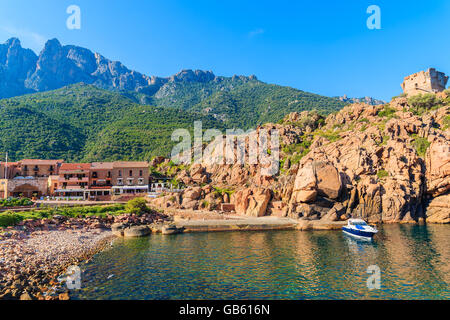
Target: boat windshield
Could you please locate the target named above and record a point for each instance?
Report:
(358, 223)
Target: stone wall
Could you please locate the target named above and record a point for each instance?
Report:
(424, 82)
(26, 187)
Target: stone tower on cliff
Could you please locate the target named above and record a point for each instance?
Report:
(424, 82)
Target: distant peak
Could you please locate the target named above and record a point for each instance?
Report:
(368, 100)
(196, 72)
(52, 43)
(244, 78)
(190, 75)
(12, 42)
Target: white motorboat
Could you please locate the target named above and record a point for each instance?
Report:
(359, 228)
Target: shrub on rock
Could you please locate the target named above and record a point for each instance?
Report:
(137, 206)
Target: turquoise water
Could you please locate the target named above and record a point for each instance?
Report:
(414, 262)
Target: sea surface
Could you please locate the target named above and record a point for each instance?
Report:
(413, 263)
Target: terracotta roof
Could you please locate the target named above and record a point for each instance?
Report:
(39, 162)
(131, 164)
(102, 165)
(75, 166)
(10, 164)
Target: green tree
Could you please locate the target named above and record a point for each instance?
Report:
(137, 206)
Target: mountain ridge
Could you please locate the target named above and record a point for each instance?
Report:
(369, 100)
(59, 65)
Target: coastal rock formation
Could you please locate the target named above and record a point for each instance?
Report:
(251, 201)
(328, 180)
(438, 165)
(384, 163)
(438, 178)
(438, 210)
(316, 178)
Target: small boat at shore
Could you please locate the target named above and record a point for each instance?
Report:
(360, 229)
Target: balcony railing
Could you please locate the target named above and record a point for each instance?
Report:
(75, 179)
(69, 188)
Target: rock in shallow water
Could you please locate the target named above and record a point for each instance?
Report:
(136, 231)
(171, 230)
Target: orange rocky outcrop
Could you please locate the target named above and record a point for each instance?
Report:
(384, 163)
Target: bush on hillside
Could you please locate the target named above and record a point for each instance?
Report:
(15, 202)
(11, 218)
(137, 206)
(387, 112)
(421, 145)
(382, 174)
(422, 102)
(8, 219)
(446, 123)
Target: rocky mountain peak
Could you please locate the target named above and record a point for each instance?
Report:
(188, 75)
(52, 43)
(369, 100)
(13, 42)
(60, 65)
(16, 64)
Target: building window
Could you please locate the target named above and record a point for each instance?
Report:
(119, 181)
(109, 174)
(131, 173)
(140, 173)
(120, 173)
(94, 174)
(141, 181)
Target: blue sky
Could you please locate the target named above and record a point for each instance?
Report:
(323, 47)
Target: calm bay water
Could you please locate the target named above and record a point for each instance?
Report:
(414, 263)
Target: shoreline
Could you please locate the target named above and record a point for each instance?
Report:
(257, 224)
(32, 262)
(35, 253)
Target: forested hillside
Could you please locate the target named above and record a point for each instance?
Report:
(85, 123)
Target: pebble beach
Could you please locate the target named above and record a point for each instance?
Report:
(34, 253)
